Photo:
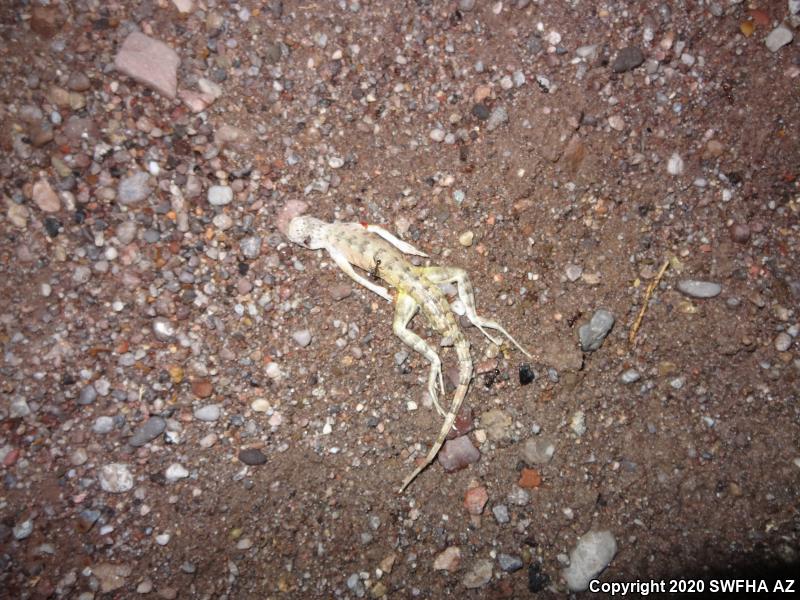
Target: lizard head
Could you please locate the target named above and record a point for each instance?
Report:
(307, 232)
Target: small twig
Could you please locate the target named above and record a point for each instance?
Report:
(646, 302)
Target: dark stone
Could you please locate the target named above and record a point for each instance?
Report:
(480, 111)
(252, 456)
(52, 226)
(526, 374)
(627, 59)
(537, 580)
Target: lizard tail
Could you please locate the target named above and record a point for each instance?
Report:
(464, 378)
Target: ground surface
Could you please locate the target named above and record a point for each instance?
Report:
(684, 444)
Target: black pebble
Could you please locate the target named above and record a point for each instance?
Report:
(52, 226)
(480, 111)
(526, 374)
(252, 456)
(537, 580)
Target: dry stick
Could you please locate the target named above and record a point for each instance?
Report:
(646, 302)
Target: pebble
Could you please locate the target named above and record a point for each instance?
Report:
(110, 576)
(578, 423)
(518, 496)
(595, 331)
(23, 530)
(176, 472)
(480, 111)
(591, 555)
(340, 291)
(448, 560)
(497, 424)
(457, 454)
(466, 5)
(783, 341)
(115, 478)
(526, 374)
(222, 221)
(260, 405)
(630, 376)
(627, 59)
(149, 61)
(78, 457)
(509, 563)
(103, 425)
(126, 232)
(437, 135)
(475, 499)
(355, 585)
(573, 272)
(88, 395)
(134, 188)
(699, 289)
(251, 246)
(252, 456)
(81, 274)
(778, 38)
(538, 450)
(529, 479)
(500, 513)
(675, 164)
(45, 197)
(18, 408)
(210, 412)
(498, 117)
(148, 431)
(302, 337)
(466, 238)
(163, 329)
(220, 195)
(18, 215)
(479, 575)
(616, 122)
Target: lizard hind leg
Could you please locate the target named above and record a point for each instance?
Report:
(405, 309)
(467, 297)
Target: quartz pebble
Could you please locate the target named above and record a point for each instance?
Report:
(115, 478)
(595, 331)
(220, 195)
(699, 289)
(210, 412)
(593, 552)
(176, 472)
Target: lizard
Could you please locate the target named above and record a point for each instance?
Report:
(381, 254)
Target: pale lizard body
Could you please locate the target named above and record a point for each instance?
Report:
(378, 252)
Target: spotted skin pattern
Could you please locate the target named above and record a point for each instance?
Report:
(380, 254)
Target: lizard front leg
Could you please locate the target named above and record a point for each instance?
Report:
(467, 296)
(395, 241)
(405, 310)
(342, 262)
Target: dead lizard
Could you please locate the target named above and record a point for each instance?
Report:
(379, 253)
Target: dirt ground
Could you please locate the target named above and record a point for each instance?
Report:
(193, 407)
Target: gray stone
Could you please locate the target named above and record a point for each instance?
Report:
(210, 412)
(630, 376)
(778, 38)
(699, 289)
(45, 196)
(23, 530)
(163, 329)
(220, 195)
(627, 59)
(593, 553)
(466, 5)
(103, 424)
(134, 188)
(509, 563)
(251, 246)
(595, 331)
(149, 61)
(500, 513)
(498, 117)
(88, 395)
(147, 431)
(252, 456)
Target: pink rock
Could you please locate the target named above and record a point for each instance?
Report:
(463, 425)
(292, 209)
(475, 499)
(45, 196)
(149, 61)
(458, 453)
(448, 560)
